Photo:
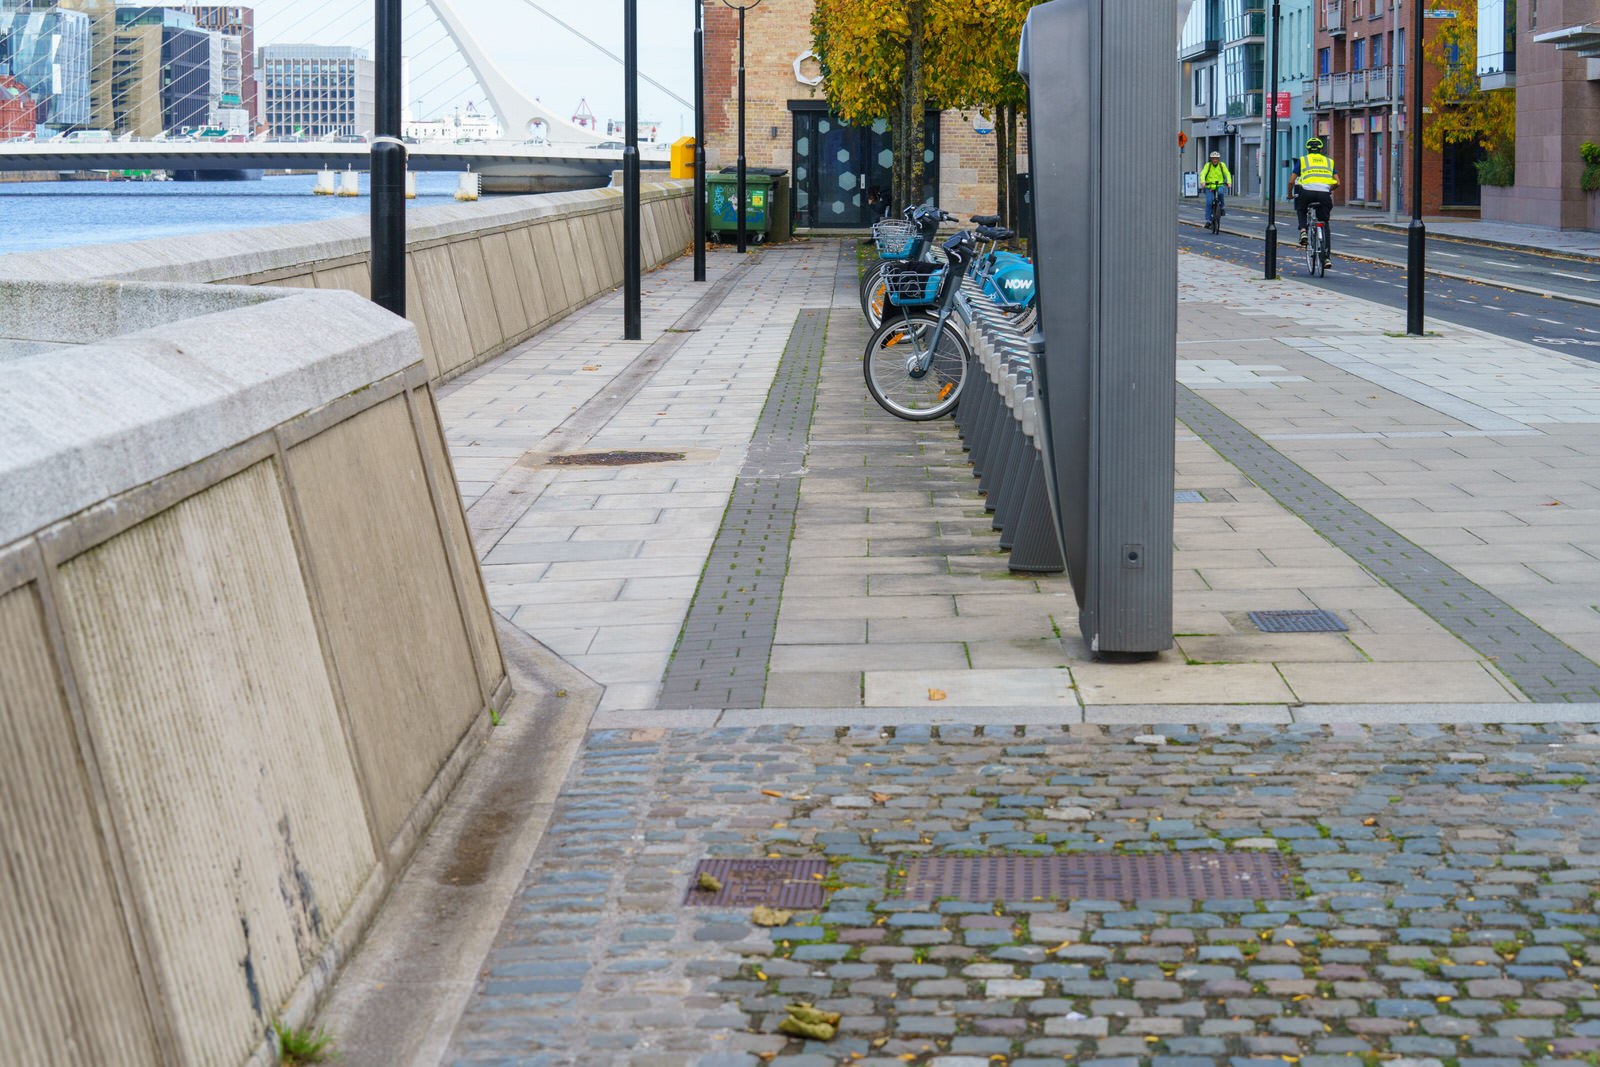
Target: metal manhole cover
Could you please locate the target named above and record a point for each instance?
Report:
(745, 883)
(612, 459)
(1298, 622)
(1172, 875)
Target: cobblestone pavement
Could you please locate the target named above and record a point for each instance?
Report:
(1442, 911)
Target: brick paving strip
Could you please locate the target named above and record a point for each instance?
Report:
(1443, 911)
(721, 657)
(1542, 665)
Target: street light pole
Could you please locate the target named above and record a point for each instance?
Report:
(387, 169)
(1416, 235)
(1272, 156)
(741, 8)
(632, 327)
(699, 141)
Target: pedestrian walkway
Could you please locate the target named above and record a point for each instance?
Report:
(1378, 843)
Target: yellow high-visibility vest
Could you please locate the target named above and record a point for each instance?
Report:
(1316, 173)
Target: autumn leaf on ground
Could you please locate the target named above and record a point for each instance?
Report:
(771, 793)
(762, 915)
(881, 798)
(709, 883)
(936, 694)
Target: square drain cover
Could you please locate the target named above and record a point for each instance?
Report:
(1298, 622)
(793, 884)
(1170, 875)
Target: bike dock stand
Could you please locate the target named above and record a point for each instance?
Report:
(998, 420)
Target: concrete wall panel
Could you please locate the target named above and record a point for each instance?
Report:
(392, 619)
(508, 305)
(447, 322)
(477, 298)
(583, 259)
(71, 994)
(612, 223)
(552, 270)
(204, 686)
(351, 276)
(480, 619)
(607, 259)
(528, 270)
(417, 314)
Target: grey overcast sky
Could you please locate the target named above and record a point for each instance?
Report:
(549, 62)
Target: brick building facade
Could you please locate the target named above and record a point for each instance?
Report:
(1360, 98)
(787, 124)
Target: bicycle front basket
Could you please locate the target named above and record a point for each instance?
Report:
(894, 238)
(909, 287)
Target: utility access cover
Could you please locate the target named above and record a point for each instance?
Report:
(1297, 622)
(1171, 875)
(794, 884)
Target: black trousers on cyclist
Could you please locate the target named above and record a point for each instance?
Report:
(1320, 199)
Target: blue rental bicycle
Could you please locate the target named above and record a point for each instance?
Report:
(910, 239)
(916, 360)
(1006, 278)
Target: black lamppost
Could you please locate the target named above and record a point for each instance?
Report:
(1416, 235)
(1272, 155)
(699, 141)
(387, 173)
(741, 8)
(632, 328)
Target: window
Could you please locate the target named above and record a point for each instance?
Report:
(1377, 50)
(1201, 79)
(1358, 55)
(1324, 61)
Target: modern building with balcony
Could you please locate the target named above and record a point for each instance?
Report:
(1202, 115)
(1243, 66)
(1360, 98)
(237, 22)
(311, 91)
(1296, 36)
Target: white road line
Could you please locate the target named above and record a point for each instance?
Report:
(1574, 277)
(1447, 255)
(1552, 322)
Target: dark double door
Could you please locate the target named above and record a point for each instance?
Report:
(837, 168)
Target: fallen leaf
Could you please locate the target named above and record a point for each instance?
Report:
(762, 915)
(1551, 504)
(771, 793)
(709, 883)
(591, 368)
(1369, 822)
(936, 694)
(1058, 948)
(881, 798)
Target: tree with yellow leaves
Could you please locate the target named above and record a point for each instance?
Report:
(885, 59)
(1464, 113)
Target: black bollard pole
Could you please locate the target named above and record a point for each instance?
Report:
(741, 204)
(388, 165)
(699, 141)
(1272, 156)
(1416, 234)
(632, 328)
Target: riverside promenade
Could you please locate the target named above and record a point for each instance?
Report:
(789, 633)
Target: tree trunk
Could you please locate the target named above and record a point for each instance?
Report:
(1001, 187)
(909, 167)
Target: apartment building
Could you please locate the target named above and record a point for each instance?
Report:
(311, 91)
(48, 52)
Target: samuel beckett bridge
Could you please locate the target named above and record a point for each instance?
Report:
(542, 151)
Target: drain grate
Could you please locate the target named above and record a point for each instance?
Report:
(612, 459)
(1298, 622)
(1188, 875)
(795, 884)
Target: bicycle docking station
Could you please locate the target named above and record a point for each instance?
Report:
(1101, 83)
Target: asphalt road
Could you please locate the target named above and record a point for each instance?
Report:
(1549, 321)
(1546, 272)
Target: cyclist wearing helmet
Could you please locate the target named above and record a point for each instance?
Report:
(1214, 177)
(1312, 180)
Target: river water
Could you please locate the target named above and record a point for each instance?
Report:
(35, 215)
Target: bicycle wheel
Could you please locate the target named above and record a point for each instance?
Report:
(929, 395)
(874, 299)
(1319, 255)
(1310, 251)
(1216, 216)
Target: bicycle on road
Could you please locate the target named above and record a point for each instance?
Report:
(915, 363)
(1316, 248)
(1218, 207)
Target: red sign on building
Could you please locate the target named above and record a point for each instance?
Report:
(1280, 104)
(16, 109)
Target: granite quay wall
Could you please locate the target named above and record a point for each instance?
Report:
(245, 653)
(480, 277)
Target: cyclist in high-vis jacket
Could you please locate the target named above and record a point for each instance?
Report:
(1312, 180)
(1214, 179)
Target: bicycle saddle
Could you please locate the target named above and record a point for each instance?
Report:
(986, 220)
(993, 233)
